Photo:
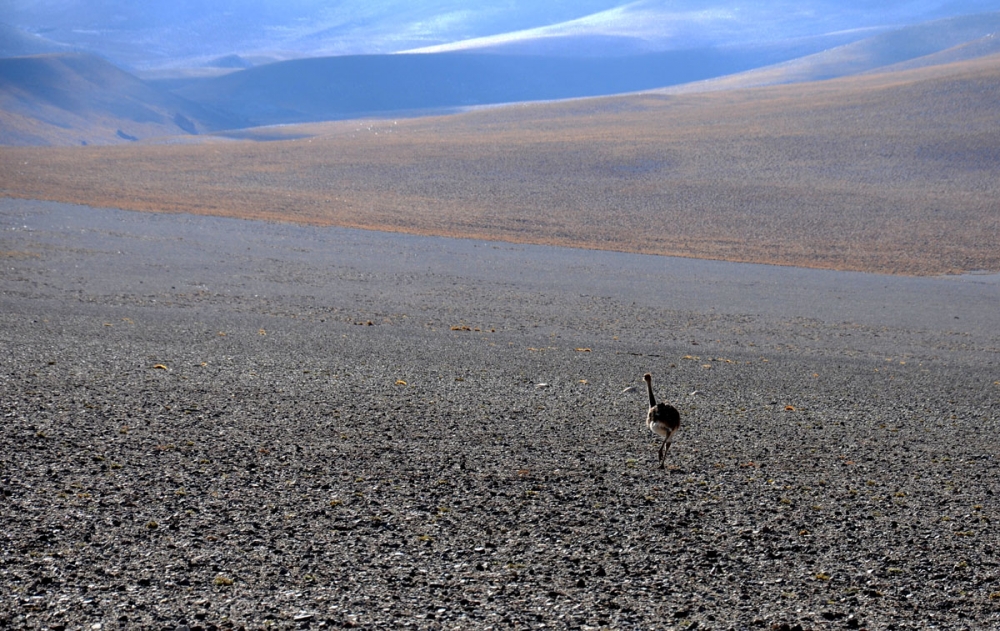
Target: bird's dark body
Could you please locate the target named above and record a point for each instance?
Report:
(665, 416)
(662, 419)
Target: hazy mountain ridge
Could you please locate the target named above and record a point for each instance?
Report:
(78, 98)
(144, 36)
(659, 25)
(147, 36)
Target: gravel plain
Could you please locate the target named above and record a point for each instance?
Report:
(219, 424)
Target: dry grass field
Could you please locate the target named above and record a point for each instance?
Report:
(896, 173)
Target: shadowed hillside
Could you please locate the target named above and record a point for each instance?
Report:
(80, 99)
(308, 90)
(896, 173)
(331, 88)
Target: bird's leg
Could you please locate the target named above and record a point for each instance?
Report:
(663, 452)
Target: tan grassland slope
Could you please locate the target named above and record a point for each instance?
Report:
(895, 173)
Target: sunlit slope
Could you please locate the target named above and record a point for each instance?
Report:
(896, 173)
(982, 47)
(75, 98)
(931, 43)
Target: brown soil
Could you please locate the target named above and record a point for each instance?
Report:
(894, 173)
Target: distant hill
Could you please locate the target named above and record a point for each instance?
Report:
(76, 98)
(332, 88)
(150, 36)
(940, 41)
(644, 26)
(230, 61)
(142, 36)
(982, 47)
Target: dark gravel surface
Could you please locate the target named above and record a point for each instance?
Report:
(211, 423)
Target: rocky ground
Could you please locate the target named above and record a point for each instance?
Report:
(218, 424)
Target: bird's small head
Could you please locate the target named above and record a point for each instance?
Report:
(647, 377)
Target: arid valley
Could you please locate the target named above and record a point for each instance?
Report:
(384, 370)
(893, 173)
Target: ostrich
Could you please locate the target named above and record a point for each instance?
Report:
(663, 419)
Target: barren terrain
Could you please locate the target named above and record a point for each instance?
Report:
(216, 424)
(895, 173)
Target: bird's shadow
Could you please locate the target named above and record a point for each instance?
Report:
(674, 469)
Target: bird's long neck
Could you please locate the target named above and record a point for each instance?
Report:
(652, 399)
